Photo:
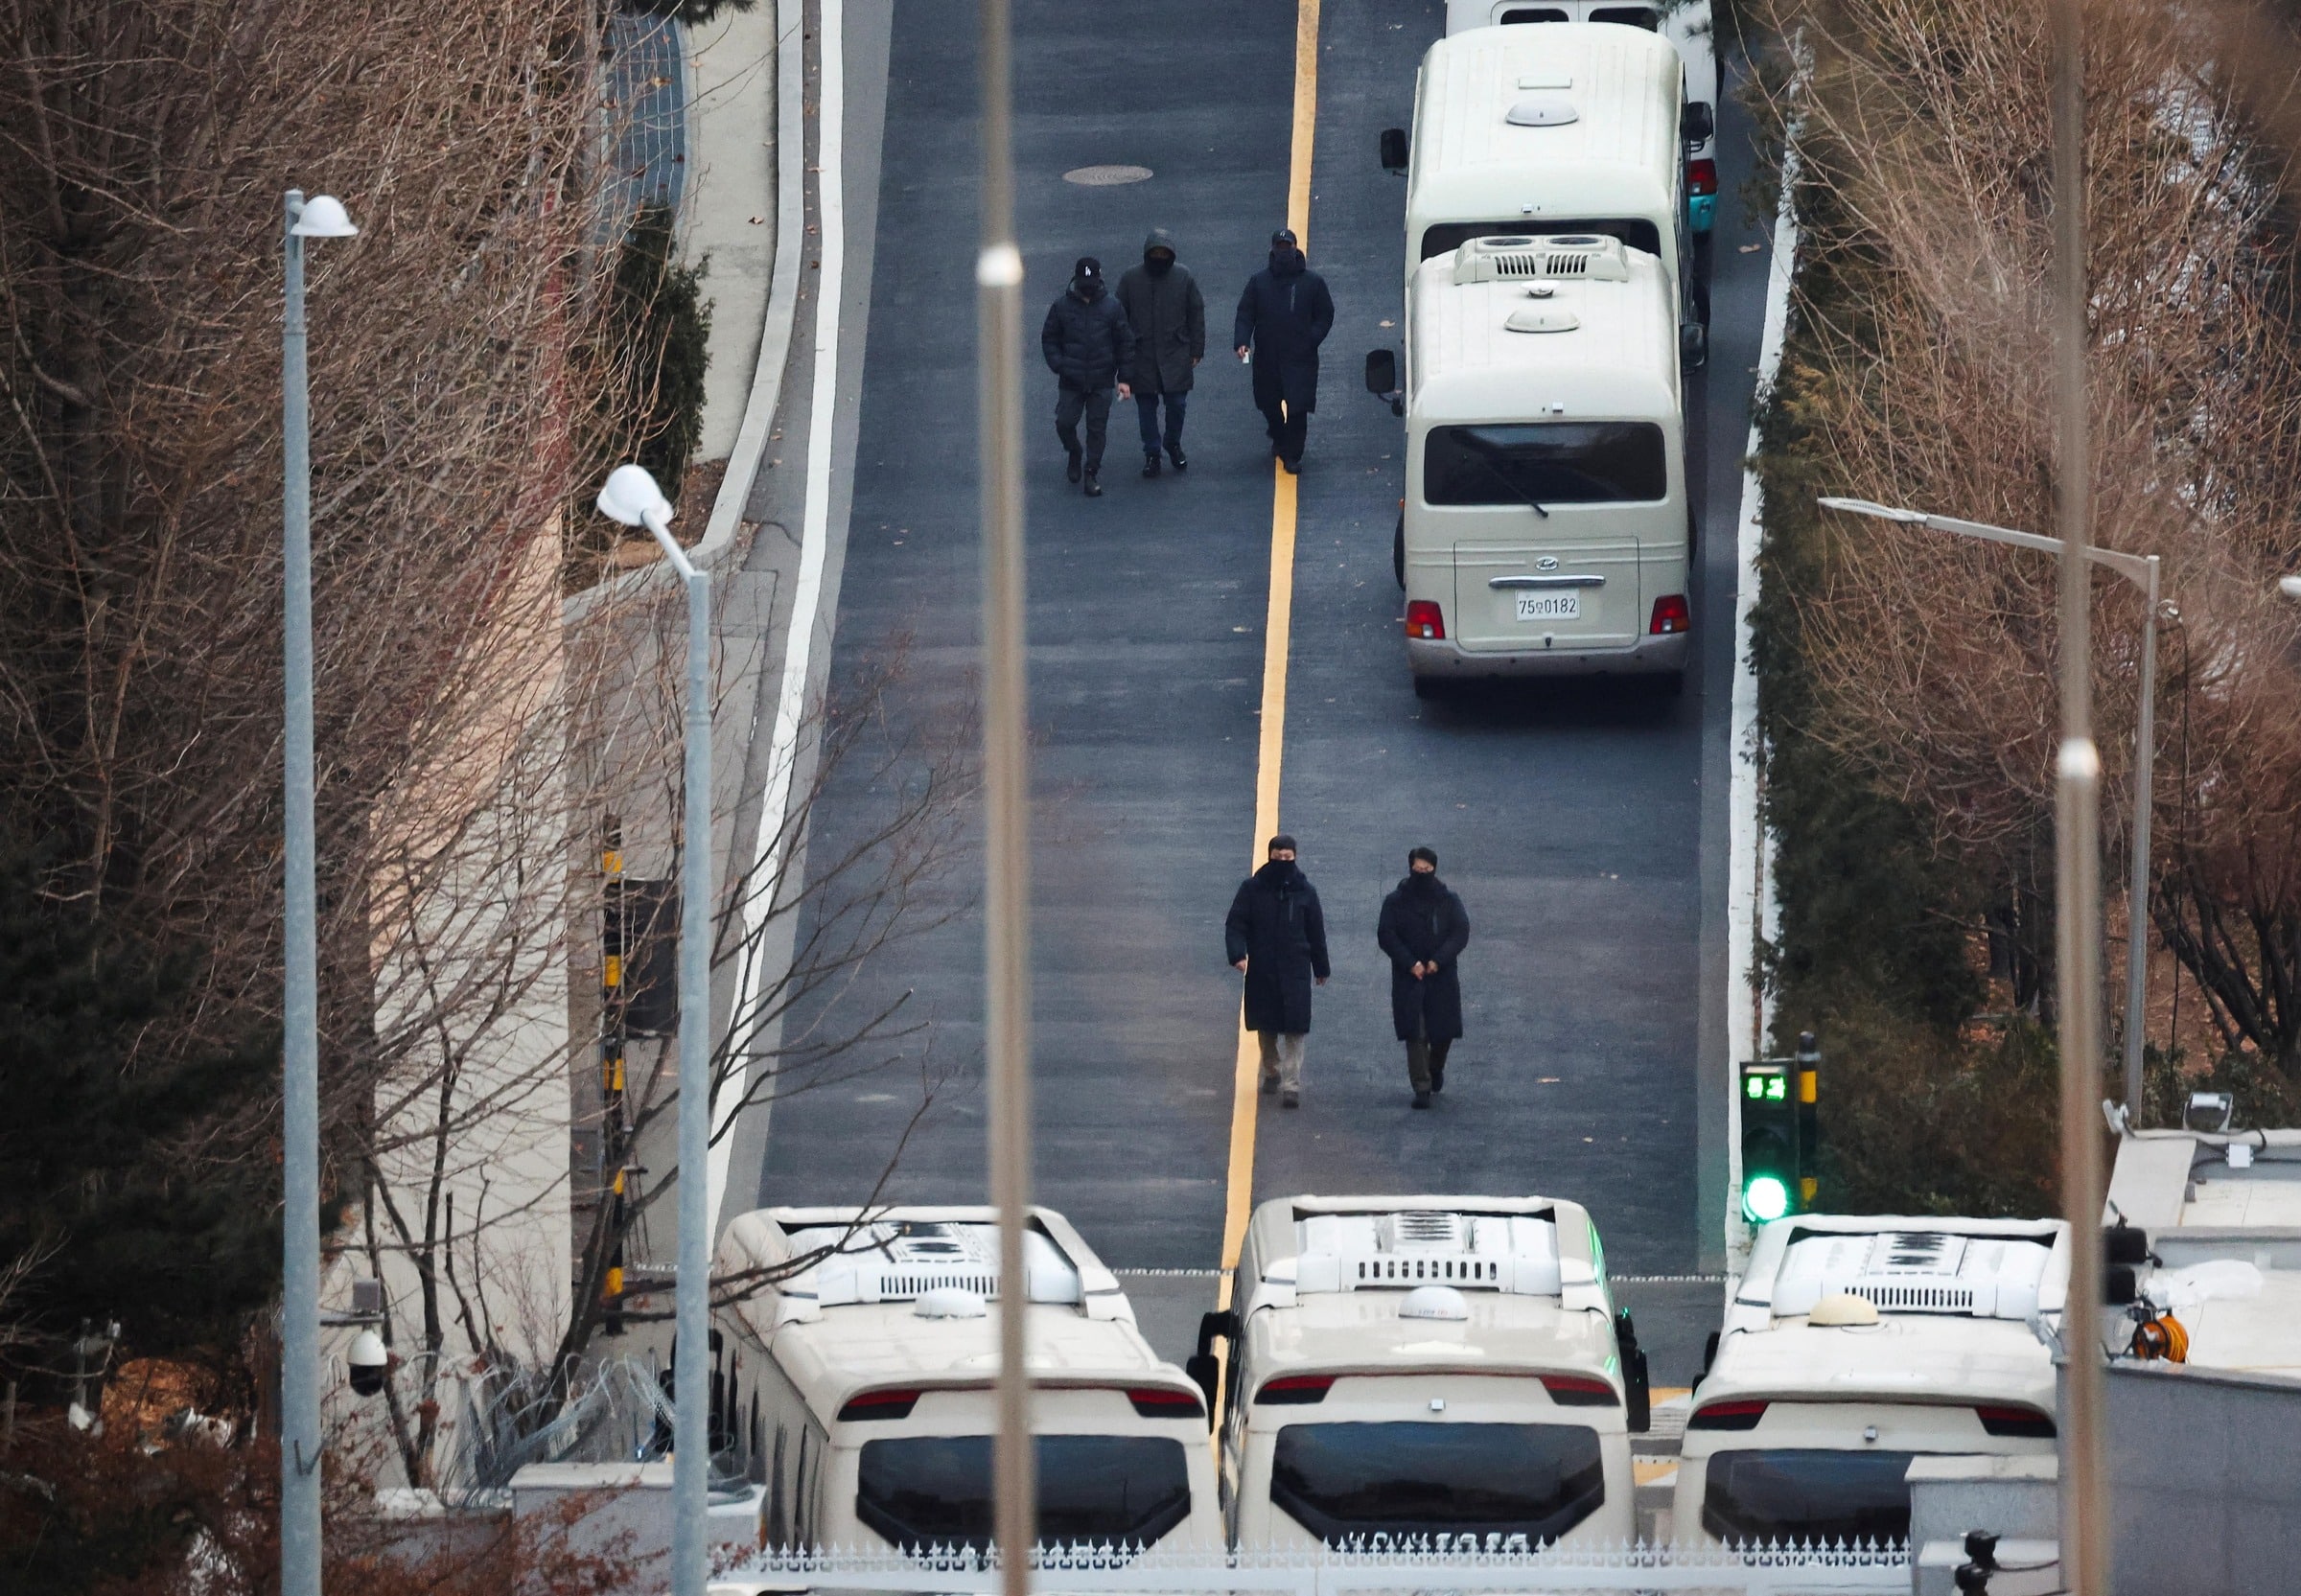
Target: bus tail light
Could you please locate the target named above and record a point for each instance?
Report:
(1579, 1391)
(2026, 1423)
(1727, 1416)
(1670, 616)
(1153, 1401)
(1425, 621)
(1296, 1389)
(1702, 178)
(879, 1404)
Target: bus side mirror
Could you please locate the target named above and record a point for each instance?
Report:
(1205, 1372)
(1382, 378)
(1698, 125)
(1694, 344)
(1638, 1392)
(1394, 150)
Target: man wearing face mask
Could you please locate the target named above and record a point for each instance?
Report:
(1424, 929)
(1167, 314)
(1089, 347)
(1275, 937)
(1284, 316)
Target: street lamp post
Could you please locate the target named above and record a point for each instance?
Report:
(2140, 570)
(318, 217)
(632, 497)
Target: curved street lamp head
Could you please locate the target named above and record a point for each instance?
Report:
(629, 495)
(323, 218)
(1865, 507)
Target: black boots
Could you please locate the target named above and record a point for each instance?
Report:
(1174, 454)
(1094, 486)
(1073, 472)
(1149, 465)
(1422, 1099)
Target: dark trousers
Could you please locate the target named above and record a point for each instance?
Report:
(1069, 406)
(1145, 411)
(1288, 429)
(1426, 1062)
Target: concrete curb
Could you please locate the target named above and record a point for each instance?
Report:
(1750, 907)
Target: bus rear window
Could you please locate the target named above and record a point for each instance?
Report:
(1551, 462)
(1633, 232)
(1340, 1481)
(936, 1490)
(1806, 1495)
(1630, 16)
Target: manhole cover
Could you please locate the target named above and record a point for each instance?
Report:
(1105, 176)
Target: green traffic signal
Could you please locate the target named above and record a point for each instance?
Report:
(1764, 1200)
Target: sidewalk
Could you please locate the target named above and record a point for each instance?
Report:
(728, 211)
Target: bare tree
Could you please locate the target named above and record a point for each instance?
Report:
(1925, 381)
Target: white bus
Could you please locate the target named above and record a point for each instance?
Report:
(1686, 26)
(1580, 127)
(853, 1381)
(1439, 1370)
(1547, 527)
(1852, 1345)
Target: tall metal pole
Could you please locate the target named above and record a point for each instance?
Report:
(691, 1442)
(300, 1048)
(1006, 781)
(2137, 886)
(2078, 920)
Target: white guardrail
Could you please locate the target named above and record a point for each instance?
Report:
(1326, 1572)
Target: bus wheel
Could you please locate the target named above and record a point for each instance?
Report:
(1398, 552)
(1426, 687)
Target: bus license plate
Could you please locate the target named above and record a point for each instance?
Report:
(1546, 606)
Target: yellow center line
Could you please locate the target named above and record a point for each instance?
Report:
(1277, 631)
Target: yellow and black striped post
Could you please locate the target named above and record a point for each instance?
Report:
(1809, 1119)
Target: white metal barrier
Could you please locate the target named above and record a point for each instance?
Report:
(1811, 1571)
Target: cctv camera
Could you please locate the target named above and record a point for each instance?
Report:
(368, 1361)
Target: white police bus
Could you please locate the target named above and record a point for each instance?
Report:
(1440, 1371)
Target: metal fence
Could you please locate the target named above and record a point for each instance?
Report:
(1328, 1572)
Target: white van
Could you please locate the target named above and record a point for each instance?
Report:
(1852, 1345)
(1546, 527)
(1440, 1369)
(854, 1382)
(1686, 26)
(1573, 129)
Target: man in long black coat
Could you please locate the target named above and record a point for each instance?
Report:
(1276, 935)
(1284, 316)
(1167, 314)
(1424, 929)
(1089, 347)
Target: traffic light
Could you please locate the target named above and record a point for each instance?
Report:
(1780, 1133)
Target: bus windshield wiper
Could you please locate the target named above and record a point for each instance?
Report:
(1487, 454)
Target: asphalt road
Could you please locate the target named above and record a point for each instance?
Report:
(1574, 818)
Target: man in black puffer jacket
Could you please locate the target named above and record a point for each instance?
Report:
(1089, 347)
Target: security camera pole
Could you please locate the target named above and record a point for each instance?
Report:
(323, 218)
(631, 497)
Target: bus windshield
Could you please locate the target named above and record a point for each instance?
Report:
(935, 1490)
(1340, 1481)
